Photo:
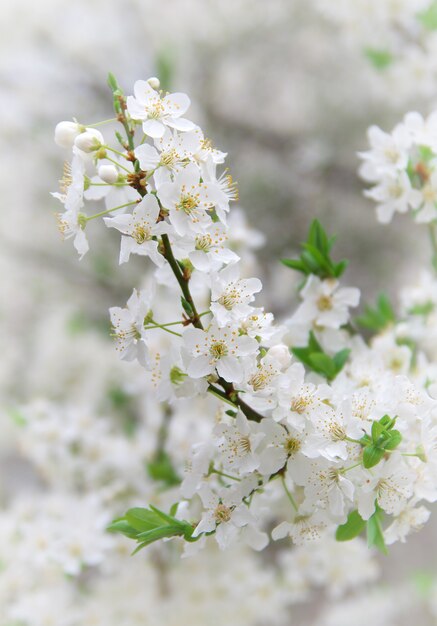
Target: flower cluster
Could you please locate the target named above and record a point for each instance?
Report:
(316, 429)
(397, 39)
(402, 167)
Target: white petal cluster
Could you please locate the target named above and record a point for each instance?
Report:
(401, 166)
(286, 454)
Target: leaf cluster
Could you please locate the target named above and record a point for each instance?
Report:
(379, 58)
(355, 525)
(318, 361)
(162, 470)
(383, 438)
(146, 526)
(379, 317)
(429, 17)
(315, 257)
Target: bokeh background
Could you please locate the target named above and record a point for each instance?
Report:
(286, 87)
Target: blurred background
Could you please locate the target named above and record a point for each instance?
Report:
(287, 87)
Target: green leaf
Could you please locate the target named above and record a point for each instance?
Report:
(377, 430)
(122, 526)
(394, 440)
(169, 530)
(379, 58)
(387, 422)
(315, 255)
(161, 469)
(424, 582)
(351, 528)
(112, 82)
(149, 525)
(142, 519)
(372, 456)
(375, 535)
(315, 359)
(340, 359)
(429, 17)
(313, 344)
(165, 66)
(379, 317)
(174, 508)
(340, 268)
(323, 364)
(302, 354)
(17, 417)
(310, 262)
(321, 260)
(422, 309)
(318, 237)
(294, 264)
(365, 440)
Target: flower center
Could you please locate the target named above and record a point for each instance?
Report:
(392, 155)
(292, 445)
(337, 432)
(244, 444)
(396, 190)
(155, 110)
(218, 349)
(188, 203)
(429, 194)
(169, 158)
(177, 376)
(258, 381)
(230, 298)
(222, 513)
(396, 364)
(141, 233)
(324, 303)
(203, 242)
(298, 405)
(124, 335)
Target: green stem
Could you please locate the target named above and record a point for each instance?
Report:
(215, 391)
(353, 440)
(91, 217)
(229, 394)
(112, 119)
(289, 495)
(178, 323)
(109, 184)
(433, 239)
(116, 152)
(214, 471)
(118, 164)
(183, 282)
(346, 469)
(163, 326)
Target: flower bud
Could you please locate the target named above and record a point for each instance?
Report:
(66, 133)
(281, 354)
(154, 82)
(108, 173)
(89, 141)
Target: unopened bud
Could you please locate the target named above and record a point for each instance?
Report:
(281, 354)
(154, 82)
(66, 133)
(108, 173)
(89, 141)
